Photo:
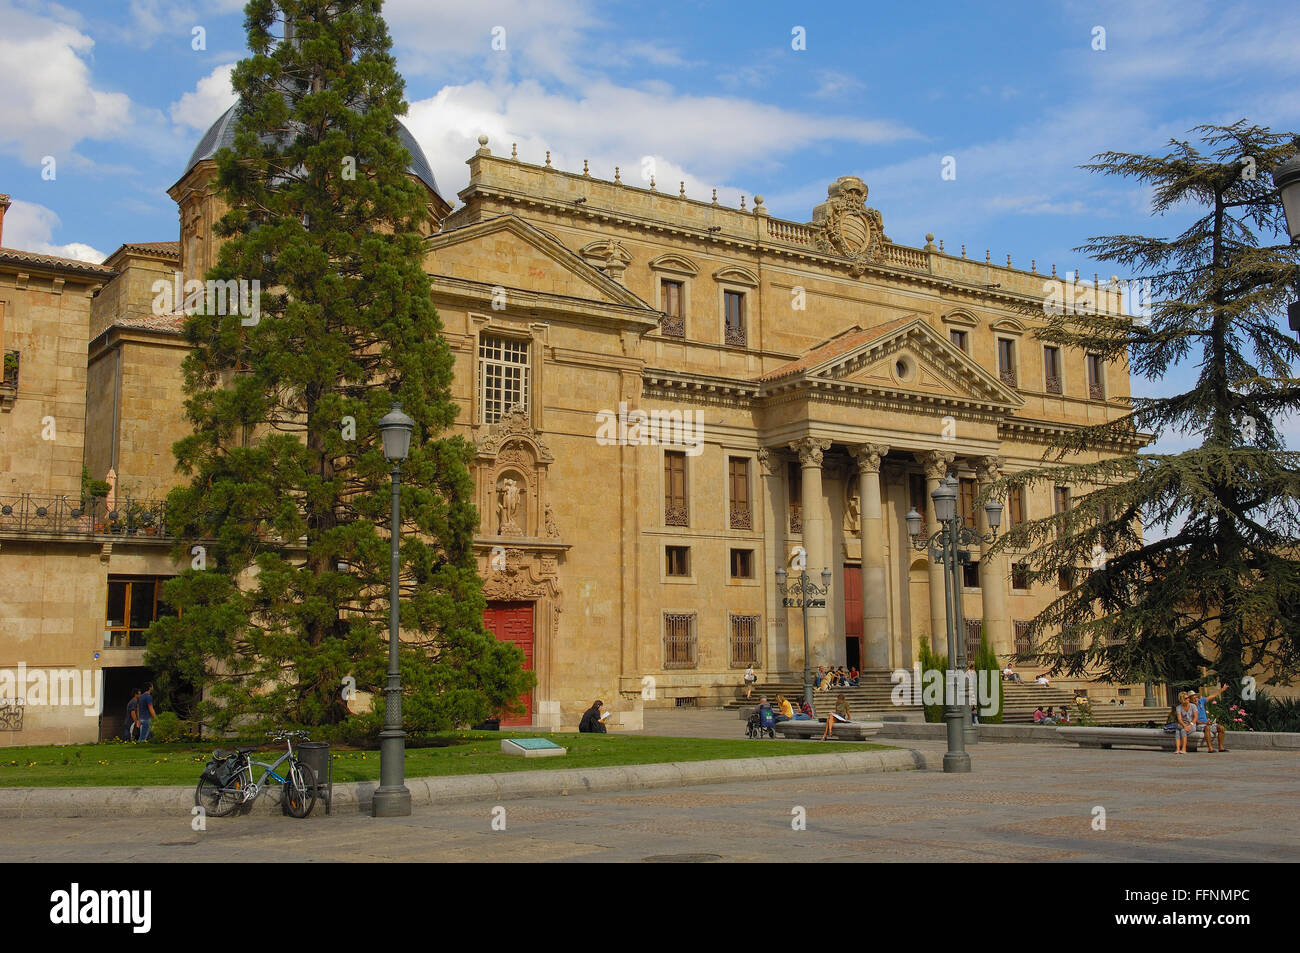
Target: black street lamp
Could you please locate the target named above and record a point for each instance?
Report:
(1287, 180)
(392, 799)
(803, 596)
(944, 547)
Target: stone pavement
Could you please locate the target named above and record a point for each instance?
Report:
(1021, 803)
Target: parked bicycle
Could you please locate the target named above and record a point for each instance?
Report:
(227, 784)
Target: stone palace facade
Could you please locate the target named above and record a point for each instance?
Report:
(671, 399)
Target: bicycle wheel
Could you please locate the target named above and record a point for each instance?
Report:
(298, 795)
(219, 801)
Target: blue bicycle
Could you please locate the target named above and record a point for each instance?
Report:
(227, 784)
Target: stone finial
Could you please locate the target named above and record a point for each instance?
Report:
(1008, 260)
(483, 150)
(715, 196)
(652, 183)
(1053, 269)
(616, 178)
(548, 158)
(941, 246)
(514, 151)
(758, 205)
(742, 203)
(681, 190)
(929, 241)
(963, 249)
(988, 257)
(584, 169)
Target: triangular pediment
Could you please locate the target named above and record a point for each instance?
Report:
(905, 358)
(509, 252)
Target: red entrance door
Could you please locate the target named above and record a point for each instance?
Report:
(853, 616)
(513, 622)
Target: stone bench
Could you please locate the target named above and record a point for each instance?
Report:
(1103, 737)
(844, 730)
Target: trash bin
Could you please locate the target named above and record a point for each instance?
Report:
(316, 755)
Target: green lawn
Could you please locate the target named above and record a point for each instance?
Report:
(462, 752)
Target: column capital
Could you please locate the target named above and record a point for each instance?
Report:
(988, 469)
(935, 462)
(869, 455)
(810, 450)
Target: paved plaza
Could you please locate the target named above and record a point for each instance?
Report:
(1023, 802)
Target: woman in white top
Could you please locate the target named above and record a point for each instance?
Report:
(750, 679)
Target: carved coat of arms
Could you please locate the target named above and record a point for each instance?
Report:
(845, 226)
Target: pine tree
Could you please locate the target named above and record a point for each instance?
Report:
(289, 491)
(1221, 589)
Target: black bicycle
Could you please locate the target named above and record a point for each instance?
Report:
(227, 784)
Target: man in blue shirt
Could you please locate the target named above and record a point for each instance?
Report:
(147, 714)
(1203, 718)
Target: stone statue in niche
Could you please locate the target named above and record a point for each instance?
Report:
(552, 530)
(853, 516)
(508, 499)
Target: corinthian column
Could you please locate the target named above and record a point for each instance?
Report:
(810, 450)
(936, 464)
(993, 569)
(875, 608)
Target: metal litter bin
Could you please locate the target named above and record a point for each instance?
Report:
(316, 755)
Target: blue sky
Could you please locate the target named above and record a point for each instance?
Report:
(1014, 92)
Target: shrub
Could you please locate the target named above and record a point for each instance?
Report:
(986, 660)
(929, 661)
(167, 726)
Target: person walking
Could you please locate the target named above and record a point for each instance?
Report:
(146, 711)
(750, 678)
(131, 730)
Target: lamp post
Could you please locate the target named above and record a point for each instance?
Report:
(808, 594)
(944, 547)
(392, 799)
(1287, 180)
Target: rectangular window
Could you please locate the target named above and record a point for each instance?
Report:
(742, 516)
(1096, 378)
(1065, 578)
(674, 324)
(679, 640)
(960, 339)
(973, 629)
(742, 564)
(734, 303)
(1016, 506)
(966, 500)
(676, 508)
(1024, 643)
(133, 605)
(1061, 499)
(794, 480)
(503, 376)
(1020, 576)
(970, 575)
(1007, 361)
(1052, 369)
(745, 644)
(677, 560)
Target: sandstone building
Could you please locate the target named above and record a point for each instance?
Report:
(671, 399)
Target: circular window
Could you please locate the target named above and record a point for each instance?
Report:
(900, 368)
(903, 369)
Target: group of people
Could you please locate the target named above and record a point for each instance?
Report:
(785, 710)
(1009, 674)
(140, 714)
(1190, 715)
(1047, 717)
(835, 678)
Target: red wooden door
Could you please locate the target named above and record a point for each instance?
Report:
(853, 615)
(513, 622)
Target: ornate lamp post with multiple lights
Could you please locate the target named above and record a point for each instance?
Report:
(804, 595)
(945, 548)
(392, 799)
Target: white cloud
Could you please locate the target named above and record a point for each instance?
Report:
(211, 96)
(832, 84)
(50, 102)
(692, 138)
(29, 227)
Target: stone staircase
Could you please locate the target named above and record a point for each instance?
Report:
(1020, 699)
(871, 700)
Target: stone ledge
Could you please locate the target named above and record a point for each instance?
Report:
(354, 797)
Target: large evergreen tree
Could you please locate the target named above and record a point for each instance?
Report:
(289, 491)
(1213, 580)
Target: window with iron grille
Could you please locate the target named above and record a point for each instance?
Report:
(960, 339)
(1096, 378)
(679, 640)
(794, 480)
(745, 642)
(677, 560)
(1052, 368)
(973, 630)
(742, 564)
(1070, 644)
(1061, 498)
(1065, 578)
(676, 509)
(734, 302)
(674, 322)
(1024, 642)
(1020, 576)
(742, 516)
(1007, 361)
(503, 376)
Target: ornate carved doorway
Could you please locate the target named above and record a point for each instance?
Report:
(513, 622)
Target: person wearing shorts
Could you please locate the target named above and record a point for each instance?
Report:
(1203, 721)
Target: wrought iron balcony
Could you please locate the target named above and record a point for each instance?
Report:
(741, 516)
(1096, 391)
(673, 327)
(735, 335)
(676, 514)
(1008, 375)
(1053, 384)
(28, 514)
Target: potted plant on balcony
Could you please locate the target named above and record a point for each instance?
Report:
(93, 494)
